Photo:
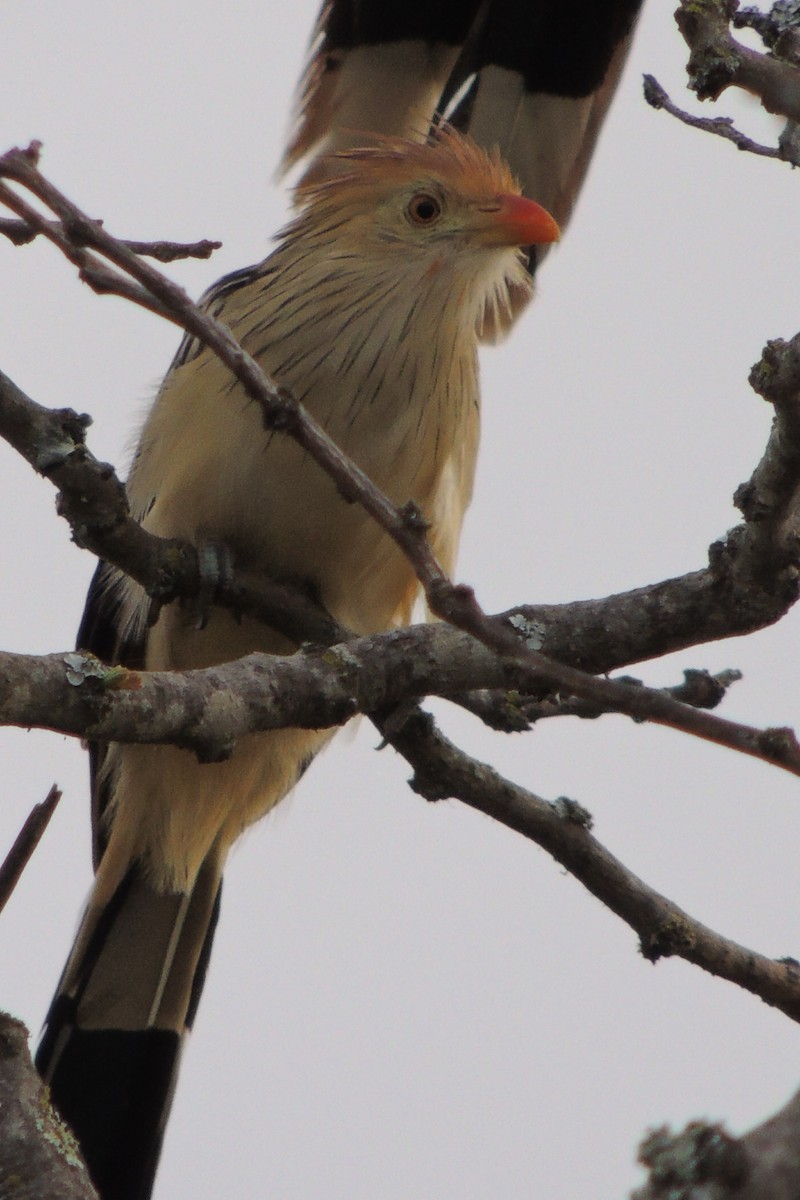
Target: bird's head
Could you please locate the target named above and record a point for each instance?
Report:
(441, 214)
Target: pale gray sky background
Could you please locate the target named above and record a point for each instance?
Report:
(406, 1000)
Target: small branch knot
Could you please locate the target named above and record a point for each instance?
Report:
(283, 413)
(776, 375)
(32, 152)
(778, 744)
(571, 810)
(413, 517)
(654, 93)
(673, 936)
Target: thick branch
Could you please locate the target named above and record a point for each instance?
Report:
(718, 61)
(40, 1158)
(753, 575)
(706, 1161)
(93, 501)
(209, 710)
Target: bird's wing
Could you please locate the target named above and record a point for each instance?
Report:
(533, 77)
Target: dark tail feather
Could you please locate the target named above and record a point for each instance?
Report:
(114, 1088)
(112, 1040)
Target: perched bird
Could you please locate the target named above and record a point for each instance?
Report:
(369, 309)
(407, 248)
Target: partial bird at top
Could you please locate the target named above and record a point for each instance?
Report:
(533, 77)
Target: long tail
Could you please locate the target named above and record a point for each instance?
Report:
(112, 1040)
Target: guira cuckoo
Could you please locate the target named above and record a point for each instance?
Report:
(401, 255)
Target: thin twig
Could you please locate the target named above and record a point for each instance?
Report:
(722, 127)
(20, 233)
(167, 252)
(514, 712)
(26, 842)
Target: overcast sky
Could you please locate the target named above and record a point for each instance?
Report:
(406, 1000)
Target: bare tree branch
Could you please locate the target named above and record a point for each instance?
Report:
(93, 501)
(442, 771)
(518, 712)
(208, 710)
(20, 233)
(722, 127)
(750, 584)
(26, 842)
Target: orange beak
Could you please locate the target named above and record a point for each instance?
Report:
(516, 221)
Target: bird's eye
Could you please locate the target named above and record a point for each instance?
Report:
(424, 209)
